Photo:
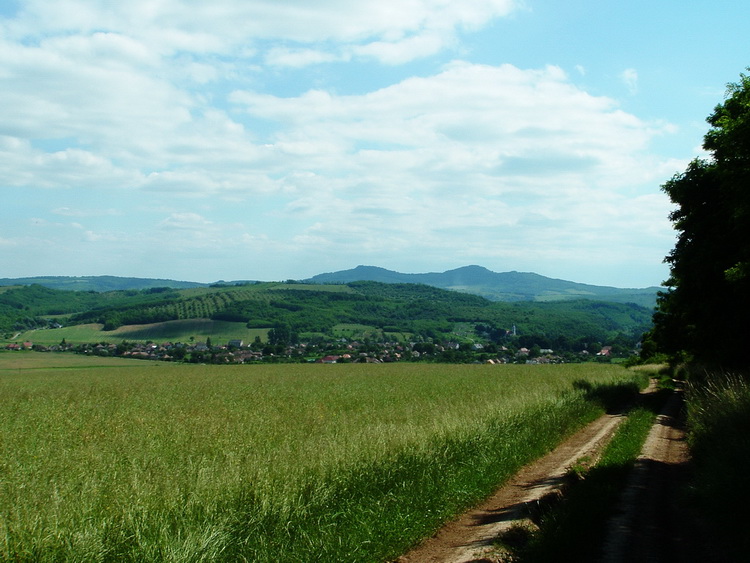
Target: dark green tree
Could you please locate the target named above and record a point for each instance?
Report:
(282, 334)
(705, 313)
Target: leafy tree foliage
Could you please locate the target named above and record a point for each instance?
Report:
(705, 313)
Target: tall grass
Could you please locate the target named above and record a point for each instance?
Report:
(719, 437)
(266, 463)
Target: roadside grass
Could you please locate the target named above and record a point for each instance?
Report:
(718, 416)
(573, 528)
(160, 462)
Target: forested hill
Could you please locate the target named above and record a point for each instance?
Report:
(410, 310)
(97, 283)
(506, 286)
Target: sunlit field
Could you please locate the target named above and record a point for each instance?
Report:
(184, 331)
(135, 461)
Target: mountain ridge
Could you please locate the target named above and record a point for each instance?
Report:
(473, 279)
(504, 286)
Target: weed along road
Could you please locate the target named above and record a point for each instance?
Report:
(650, 522)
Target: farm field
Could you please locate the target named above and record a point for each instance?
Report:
(178, 331)
(135, 461)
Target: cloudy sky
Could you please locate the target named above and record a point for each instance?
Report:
(275, 139)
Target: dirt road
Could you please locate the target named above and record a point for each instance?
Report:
(654, 521)
(650, 524)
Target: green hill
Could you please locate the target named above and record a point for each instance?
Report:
(506, 286)
(416, 311)
(97, 283)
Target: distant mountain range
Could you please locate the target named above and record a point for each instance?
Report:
(98, 283)
(506, 286)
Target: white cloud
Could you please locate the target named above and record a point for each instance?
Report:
(476, 152)
(188, 221)
(629, 77)
(492, 123)
(404, 50)
(224, 26)
(80, 212)
(197, 113)
(287, 57)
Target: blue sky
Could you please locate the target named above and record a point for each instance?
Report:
(268, 139)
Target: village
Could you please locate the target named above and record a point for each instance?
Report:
(324, 352)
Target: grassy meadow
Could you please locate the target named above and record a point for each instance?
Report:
(198, 330)
(112, 460)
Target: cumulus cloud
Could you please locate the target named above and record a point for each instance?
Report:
(181, 110)
(492, 123)
(227, 26)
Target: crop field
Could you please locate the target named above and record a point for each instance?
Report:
(134, 461)
(176, 331)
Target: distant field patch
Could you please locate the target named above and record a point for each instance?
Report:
(355, 330)
(198, 330)
(24, 361)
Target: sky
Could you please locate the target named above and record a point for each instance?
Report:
(280, 139)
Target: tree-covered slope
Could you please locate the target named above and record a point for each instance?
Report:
(422, 311)
(98, 283)
(505, 286)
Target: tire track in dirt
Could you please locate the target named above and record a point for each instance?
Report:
(470, 537)
(653, 521)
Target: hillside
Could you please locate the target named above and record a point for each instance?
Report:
(506, 286)
(359, 310)
(97, 283)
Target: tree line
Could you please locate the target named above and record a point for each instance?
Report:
(703, 316)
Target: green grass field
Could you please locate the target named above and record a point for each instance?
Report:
(220, 332)
(117, 461)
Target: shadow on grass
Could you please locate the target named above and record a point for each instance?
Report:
(566, 526)
(612, 397)
(571, 526)
(719, 422)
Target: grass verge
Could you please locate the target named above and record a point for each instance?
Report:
(718, 412)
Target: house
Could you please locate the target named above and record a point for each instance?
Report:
(606, 351)
(329, 359)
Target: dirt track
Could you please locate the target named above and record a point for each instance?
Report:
(650, 524)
